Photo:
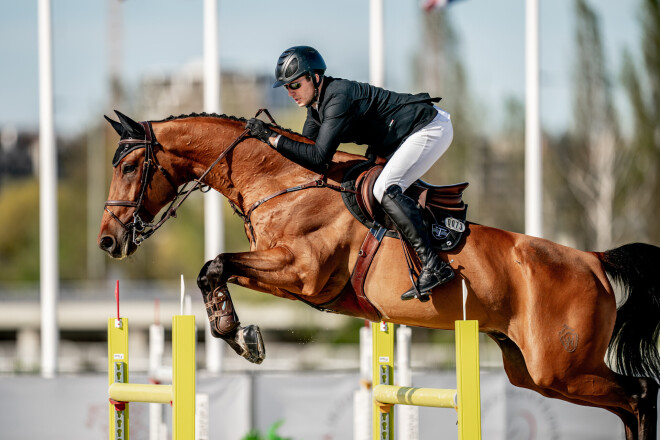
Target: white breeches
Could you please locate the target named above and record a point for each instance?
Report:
(416, 155)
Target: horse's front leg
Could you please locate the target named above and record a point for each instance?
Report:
(246, 341)
(272, 270)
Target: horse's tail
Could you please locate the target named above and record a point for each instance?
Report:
(633, 348)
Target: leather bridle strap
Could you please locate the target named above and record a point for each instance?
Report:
(317, 183)
(148, 155)
(138, 225)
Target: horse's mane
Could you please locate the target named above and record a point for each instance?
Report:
(223, 116)
(346, 156)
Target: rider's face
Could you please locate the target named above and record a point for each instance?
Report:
(301, 90)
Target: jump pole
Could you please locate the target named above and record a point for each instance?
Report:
(465, 398)
(181, 394)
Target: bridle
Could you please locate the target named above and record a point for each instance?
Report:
(141, 230)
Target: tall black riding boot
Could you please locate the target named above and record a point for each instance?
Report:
(407, 216)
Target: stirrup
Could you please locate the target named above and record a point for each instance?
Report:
(413, 293)
(425, 295)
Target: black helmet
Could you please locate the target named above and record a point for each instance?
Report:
(297, 61)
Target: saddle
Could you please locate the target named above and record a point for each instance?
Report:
(443, 206)
(444, 212)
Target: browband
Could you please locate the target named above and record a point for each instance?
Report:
(128, 145)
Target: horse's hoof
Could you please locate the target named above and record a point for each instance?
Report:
(250, 340)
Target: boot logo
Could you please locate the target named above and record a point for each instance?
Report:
(438, 232)
(454, 224)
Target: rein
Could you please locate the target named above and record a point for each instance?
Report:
(142, 230)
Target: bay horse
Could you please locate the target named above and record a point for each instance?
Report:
(550, 308)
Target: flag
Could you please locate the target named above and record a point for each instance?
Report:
(429, 5)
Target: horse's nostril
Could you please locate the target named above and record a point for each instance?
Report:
(107, 243)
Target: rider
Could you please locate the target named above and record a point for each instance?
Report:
(406, 129)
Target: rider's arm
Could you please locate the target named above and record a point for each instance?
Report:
(317, 156)
(311, 127)
(310, 130)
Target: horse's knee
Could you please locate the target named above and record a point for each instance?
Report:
(212, 274)
(216, 267)
(202, 280)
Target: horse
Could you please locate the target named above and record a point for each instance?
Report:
(551, 309)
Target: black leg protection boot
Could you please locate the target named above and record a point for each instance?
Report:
(407, 217)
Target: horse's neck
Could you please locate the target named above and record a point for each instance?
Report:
(251, 171)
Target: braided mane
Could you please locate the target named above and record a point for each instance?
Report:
(223, 116)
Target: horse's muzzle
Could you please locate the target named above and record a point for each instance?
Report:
(117, 248)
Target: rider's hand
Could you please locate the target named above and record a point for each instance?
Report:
(260, 130)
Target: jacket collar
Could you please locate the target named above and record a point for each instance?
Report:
(324, 85)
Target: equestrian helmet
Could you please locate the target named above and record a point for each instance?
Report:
(297, 61)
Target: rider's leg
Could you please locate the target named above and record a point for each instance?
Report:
(412, 159)
(407, 216)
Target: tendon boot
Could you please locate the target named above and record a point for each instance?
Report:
(221, 313)
(407, 217)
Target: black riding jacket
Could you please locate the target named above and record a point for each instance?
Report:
(350, 111)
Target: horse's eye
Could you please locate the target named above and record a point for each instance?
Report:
(128, 168)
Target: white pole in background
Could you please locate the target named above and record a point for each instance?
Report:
(47, 198)
(407, 421)
(533, 152)
(362, 398)
(213, 220)
(376, 44)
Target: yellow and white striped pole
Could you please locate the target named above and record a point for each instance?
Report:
(383, 374)
(465, 398)
(181, 394)
(118, 373)
(467, 380)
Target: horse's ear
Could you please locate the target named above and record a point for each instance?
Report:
(116, 125)
(134, 129)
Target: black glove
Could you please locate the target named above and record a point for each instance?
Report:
(260, 130)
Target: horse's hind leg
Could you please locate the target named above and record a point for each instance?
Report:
(518, 374)
(644, 393)
(588, 381)
(633, 399)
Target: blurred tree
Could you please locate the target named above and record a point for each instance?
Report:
(438, 70)
(491, 163)
(19, 230)
(592, 160)
(643, 88)
(504, 194)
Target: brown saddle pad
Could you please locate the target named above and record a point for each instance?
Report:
(446, 196)
(443, 206)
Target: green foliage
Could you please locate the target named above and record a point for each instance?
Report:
(19, 231)
(254, 434)
(175, 248)
(642, 83)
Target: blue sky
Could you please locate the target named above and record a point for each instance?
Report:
(163, 35)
